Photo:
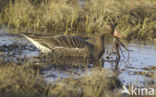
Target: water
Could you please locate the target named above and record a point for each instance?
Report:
(129, 71)
(142, 56)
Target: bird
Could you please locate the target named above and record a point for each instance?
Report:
(73, 45)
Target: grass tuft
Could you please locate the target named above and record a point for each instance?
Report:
(135, 18)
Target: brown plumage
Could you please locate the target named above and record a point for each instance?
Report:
(72, 45)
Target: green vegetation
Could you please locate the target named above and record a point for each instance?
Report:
(135, 18)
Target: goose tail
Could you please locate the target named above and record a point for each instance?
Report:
(38, 45)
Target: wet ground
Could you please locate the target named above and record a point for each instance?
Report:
(135, 70)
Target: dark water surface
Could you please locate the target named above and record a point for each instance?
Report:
(132, 71)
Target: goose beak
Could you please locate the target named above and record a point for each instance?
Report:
(117, 34)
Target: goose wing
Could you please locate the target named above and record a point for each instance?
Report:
(62, 41)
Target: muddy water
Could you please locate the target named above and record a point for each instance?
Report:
(134, 70)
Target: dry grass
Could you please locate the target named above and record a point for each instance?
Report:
(135, 18)
(17, 81)
(24, 81)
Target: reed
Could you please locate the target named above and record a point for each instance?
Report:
(135, 18)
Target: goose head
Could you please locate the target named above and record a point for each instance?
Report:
(111, 30)
(99, 47)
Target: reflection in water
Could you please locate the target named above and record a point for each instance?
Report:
(129, 72)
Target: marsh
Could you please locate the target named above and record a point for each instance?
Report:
(26, 72)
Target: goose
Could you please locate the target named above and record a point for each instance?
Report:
(72, 45)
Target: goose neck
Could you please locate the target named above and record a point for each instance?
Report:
(99, 46)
